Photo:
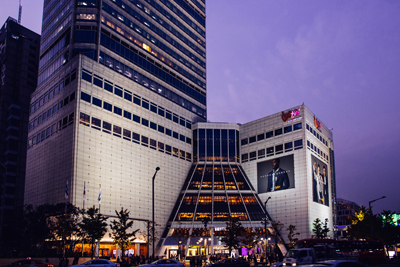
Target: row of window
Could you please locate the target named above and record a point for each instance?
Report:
(44, 42)
(317, 150)
(317, 135)
(55, 49)
(143, 80)
(154, 52)
(41, 118)
(114, 47)
(155, 29)
(49, 94)
(171, 18)
(54, 8)
(270, 134)
(56, 127)
(60, 15)
(273, 150)
(198, 17)
(129, 135)
(130, 116)
(127, 95)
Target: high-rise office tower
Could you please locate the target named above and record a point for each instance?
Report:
(120, 84)
(19, 57)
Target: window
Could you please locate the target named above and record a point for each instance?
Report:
(96, 102)
(188, 140)
(279, 149)
(253, 155)
(86, 76)
(168, 149)
(135, 118)
(288, 147)
(106, 127)
(307, 127)
(182, 138)
(117, 90)
(153, 125)
(252, 139)
(245, 141)
(107, 106)
(269, 134)
(85, 97)
(298, 144)
(66, 101)
(72, 96)
(153, 108)
(160, 147)
(287, 129)
(168, 132)
(261, 153)
(160, 129)
(145, 122)
(153, 143)
(297, 126)
(98, 81)
(278, 132)
(135, 138)
(145, 103)
(175, 135)
(136, 99)
(168, 115)
(161, 112)
(188, 156)
(127, 134)
(145, 141)
(175, 152)
(245, 157)
(127, 115)
(117, 111)
(188, 125)
(182, 122)
(128, 96)
(175, 118)
(260, 137)
(96, 123)
(108, 86)
(270, 151)
(117, 130)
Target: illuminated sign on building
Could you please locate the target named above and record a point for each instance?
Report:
(290, 114)
(317, 123)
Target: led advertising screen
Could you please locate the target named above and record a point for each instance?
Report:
(276, 174)
(320, 181)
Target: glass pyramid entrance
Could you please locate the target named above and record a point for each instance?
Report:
(212, 192)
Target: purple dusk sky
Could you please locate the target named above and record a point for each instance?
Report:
(341, 58)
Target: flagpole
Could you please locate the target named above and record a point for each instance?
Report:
(83, 210)
(98, 241)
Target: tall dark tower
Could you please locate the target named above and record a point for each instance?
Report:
(19, 57)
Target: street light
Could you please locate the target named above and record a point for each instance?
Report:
(370, 216)
(154, 177)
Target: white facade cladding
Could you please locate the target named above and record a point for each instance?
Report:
(297, 139)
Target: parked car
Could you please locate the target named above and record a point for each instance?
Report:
(277, 264)
(29, 262)
(230, 263)
(336, 263)
(98, 263)
(164, 263)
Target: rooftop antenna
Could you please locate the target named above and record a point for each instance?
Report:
(19, 12)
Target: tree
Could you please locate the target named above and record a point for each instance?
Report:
(147, 234)
(234, 230)
(249, 238)
(320, 229)
(120, 228)
(360, 228)
(63, 226)
(292, 235)
(93, 227)
(389, 233)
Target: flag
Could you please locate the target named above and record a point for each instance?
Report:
(84, 191)
(99, 198)
(66, 191)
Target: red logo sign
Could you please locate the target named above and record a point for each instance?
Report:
(317, 123)
(291, 114)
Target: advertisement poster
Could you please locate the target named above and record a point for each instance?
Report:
(276, 174)
(320, 181)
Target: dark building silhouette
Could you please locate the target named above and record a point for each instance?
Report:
(19, 57)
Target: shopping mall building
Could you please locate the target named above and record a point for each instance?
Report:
(122, 91)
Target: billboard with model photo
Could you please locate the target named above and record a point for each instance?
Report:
(276, 174)
(320, 181)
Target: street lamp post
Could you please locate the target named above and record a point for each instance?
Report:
(370, 216)
(154, 177)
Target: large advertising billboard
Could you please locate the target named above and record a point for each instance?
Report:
(320, 181)
(276, 174)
